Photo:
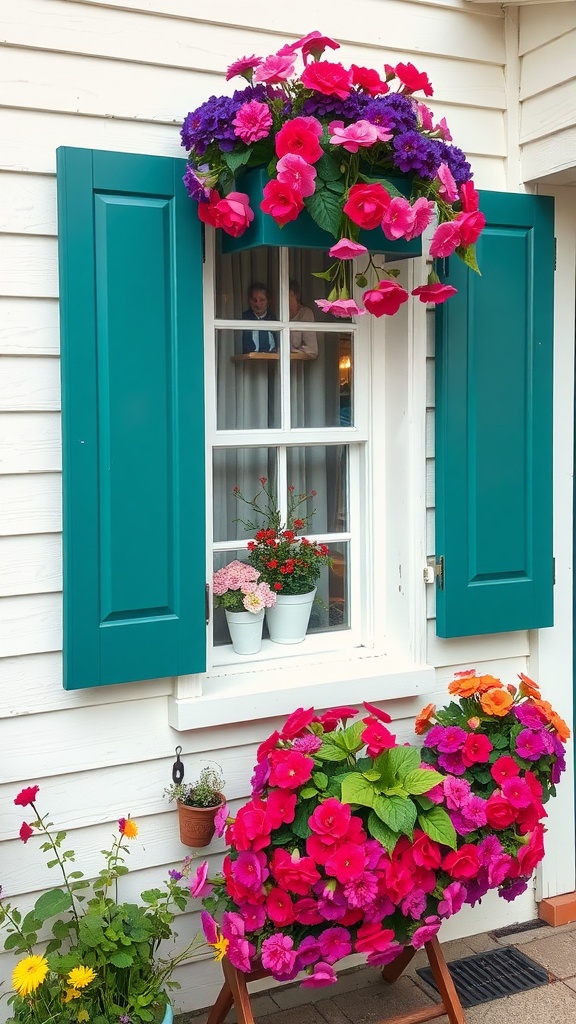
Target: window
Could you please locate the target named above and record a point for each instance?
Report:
(285, 403)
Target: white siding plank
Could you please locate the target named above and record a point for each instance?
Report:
(548, 66)
(30, 625)
(29, 383)
(30, 265)
(36, 679)
(554, 155)
(469, 649)
(30, 442)
(29, 327)
(548, 113)
(27, 204)
(540, 23)
(30, 504)
(30, 564)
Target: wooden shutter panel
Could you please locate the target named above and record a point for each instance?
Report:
(494, 350)
(130, 257)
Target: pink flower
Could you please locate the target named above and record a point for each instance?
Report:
(221, 819)
(499, 812)
(232, 214)
(252, 122)
(385, 300)
(517, 792)
(398, 218)
(331, 818)
(250, 869)
(368, 80)
(385, 956)
(346, 249)
(281, 202)
(476, 750)
(454, 896)
(471, 226)
(25, 832)
(279, 907)
(448, 190)
(346, 862)
(300, 136)
(293, 872)
(329, 79)
(209, 927)
(366, 205)
(300, 176)
(253, 915)
(26, 796)
(425, 851)
(456, 792)
(445, 239)
(435, 292)
(426, 932)
(426, 117)
(361, 134)
(469, 197)
(443, 130)
(373, 938)
(423, 212)
(274, 69)
(314, 45)
(376, 736)
(335, 944)
(462, 863)
(245, 67)
(344, 308)
(280, 808)
(413, 80)
(306, 911)
(504, 768)
(198, 887)
(278, 955)
(322, 975)
(290, 768)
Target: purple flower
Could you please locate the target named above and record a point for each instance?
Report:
(414, 904)
(307, 744)
(381, 907)
(260, 777)
(510, 892)
(308, 952)
(412, 153)
(530, 745)
(462, 825)
(454, 896)
(335, 944)
(452, 740)
(332, 903)
(477, 887)
(489, 849)
(384, 956)
(474, 811)
(498, 869)
(434, 736)
(361, 891)
(558, 767)
(452, 763)
(323, 974)
(529, 716)
(426, 932)
(253, 915)
(392, 111)
(176, 875)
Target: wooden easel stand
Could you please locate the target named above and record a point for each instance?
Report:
(234, 991)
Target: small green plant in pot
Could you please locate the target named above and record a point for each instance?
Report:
(198, 804)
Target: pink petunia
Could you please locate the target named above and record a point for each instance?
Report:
(250, 869)
(280, 808)
(209, 927)
(245, 67)
(314, 44)
(423, 211)
(295, 172)
(275, 69)
(279, 907)
(426, 932)
(517, 792)
(198, 886)
(221, 819)
(368, 80)
(398, 219)
(278, 955)
(448, 190)
(436, 292)
(308, 952)
(376, 736)
(445, 239)
(346, 249)
(454, 896)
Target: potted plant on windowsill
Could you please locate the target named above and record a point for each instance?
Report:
(244, 596)
(198, 805)
(87, 957)
(350, 154)
(290, 564)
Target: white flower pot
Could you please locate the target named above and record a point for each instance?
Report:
(288, 620)
(245, 631)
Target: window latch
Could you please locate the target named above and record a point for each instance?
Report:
(434, 570)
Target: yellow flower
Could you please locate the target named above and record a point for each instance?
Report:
(83, 1016)
(81, 976)
(128, 828)
(220, 946)
(29, 974)
(70, 994)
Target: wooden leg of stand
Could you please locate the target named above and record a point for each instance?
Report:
(222, 1006)
(239, 991)
(444, 982)
(392, 971)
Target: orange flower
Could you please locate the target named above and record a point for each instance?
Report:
(128, 828)
(465, 686)
(554, 718)
(424, 719)
(488, 683)
(528, 688)
(496, 702)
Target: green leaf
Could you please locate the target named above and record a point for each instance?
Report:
(397, 813)
(330, 752)
(468, 256)
(395, 763)
(325, 208)
(326, 275)
(378, 830)
(351, 738)
(357, 790)
(336, 186)
(320, 779)
(122, 959)
(327, 169)
(52, 903)
(436, 823)
(361, 280)
(300, 825)
(308, 792)
(236, 160)
(390, 188)
(420, 781)
(372, 775)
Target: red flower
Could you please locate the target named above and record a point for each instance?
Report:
(386, 299)
(437, 292)
(366, 205)
(280, 808)
(469, 197)
(476, 749)
(277, 586)
(376, 737)
(25, 832)
(298, 523)
(289, 535)
(299, 136)
(346, 862)
(382, 716)
(462, 863)
(331, 818)
(368, 80)
(499, 812)
(373, 937)
(279, 907)
(272, 564)
(290, 768)
(471, 226)
(281, 202)
(504, 768)
(294, 872)
(329, 79)
(413, 80)
(26, 796)
(297, 722)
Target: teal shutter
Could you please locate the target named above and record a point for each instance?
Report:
(133, 419)
(494, 349)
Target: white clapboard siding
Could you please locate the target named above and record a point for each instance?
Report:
(549, 112)
(549, 66)
(30, 442)
(29, 326)
(30, 503)
(554, 155)
(30, 265)
(27, 204)
(468, 649)
(29, 383)
(541, 23)
(30, 624)
(30, 564)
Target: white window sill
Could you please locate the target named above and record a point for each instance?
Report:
(275, 688)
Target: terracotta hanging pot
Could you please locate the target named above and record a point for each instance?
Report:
(197, 823)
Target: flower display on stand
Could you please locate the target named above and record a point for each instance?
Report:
(238, 587)
(287, 562)
(334, 141)
(99, 962)
(354, 843)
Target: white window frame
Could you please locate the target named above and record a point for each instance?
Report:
(383, 655)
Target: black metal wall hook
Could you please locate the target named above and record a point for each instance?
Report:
(178, 767)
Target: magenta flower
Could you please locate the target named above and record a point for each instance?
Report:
(422, 212)
(517, 792)
(529, 745)
(220, 819)
(414, 904)
(426, 932)
(290, 769)
(456, 792)
(385, 956)
(308, 744)
(452, 763)
(331, 818)
(209, 927)
(278, 955)
(346, 249)
(252, 122)
(322, 975)
(448, 189)
(250, 869)
(445, 239)
(25, 832)
(452, 740)
(275, 69)
(347, 862)
(198, 886)
(510, 892)
(474, 811)
(245, 67)
(314, 45)
(280, 808)
(253, 914)
(398, 218)
(308, 951)
(529, 715)
(26, 796)
(335, 944)
(454, 896)
(295, 172)
(361, 891)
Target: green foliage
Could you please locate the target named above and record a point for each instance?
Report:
(205, 792)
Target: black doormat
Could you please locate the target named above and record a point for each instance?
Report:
(492, 975)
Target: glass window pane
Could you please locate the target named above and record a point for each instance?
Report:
(241, 272)
(322, 385)
(303, 264)
(242, 468)
(324, 469)
(331, 608)
(219, 626)
(247, 382)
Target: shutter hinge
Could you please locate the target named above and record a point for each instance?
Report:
(435, 571)
(207, 603)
